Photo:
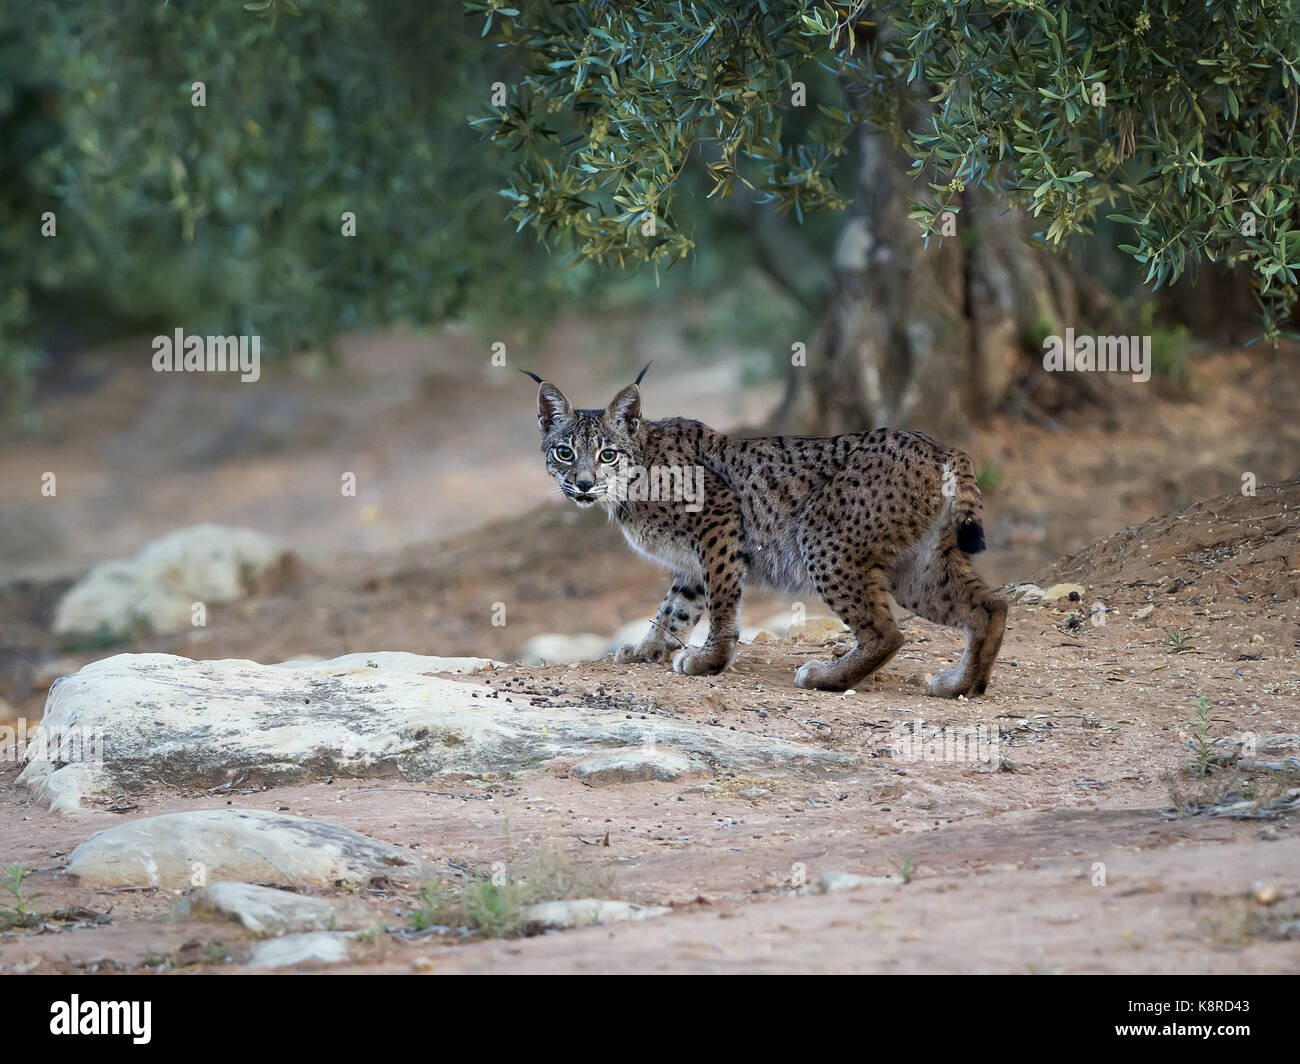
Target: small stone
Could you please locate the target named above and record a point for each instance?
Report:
(267, 911)
(1265, 893)
(818, 628)
(584, 912)
(314, 947)
(830, 882)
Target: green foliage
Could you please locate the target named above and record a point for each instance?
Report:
(615, 98)
(1201, 744)
(989, 477)
(12, 884)
(495, 906)
(1170, 347)
(227, 218)
(1196, 128)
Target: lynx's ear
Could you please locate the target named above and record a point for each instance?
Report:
(552, 407)
(625, 408)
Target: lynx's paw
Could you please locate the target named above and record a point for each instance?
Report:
(950, 684)
(818, 676)
(628, 653)
(702, 662)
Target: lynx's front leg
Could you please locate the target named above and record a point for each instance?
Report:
(672, 625)
(724, 565)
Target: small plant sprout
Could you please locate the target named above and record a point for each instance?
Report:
(1200, 744)
(906, 869)
(12, 884)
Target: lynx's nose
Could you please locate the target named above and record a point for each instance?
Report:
(585, 482)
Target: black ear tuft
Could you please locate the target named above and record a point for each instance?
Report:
(642, 373)
(530, 373)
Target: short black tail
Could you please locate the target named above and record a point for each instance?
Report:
(970, 536)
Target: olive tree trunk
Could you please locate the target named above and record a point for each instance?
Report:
(929, 338)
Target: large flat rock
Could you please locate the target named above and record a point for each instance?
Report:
(636, 766)
(166, 720)
(174, 850)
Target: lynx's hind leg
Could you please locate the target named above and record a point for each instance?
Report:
(946, 589)
(861, 602)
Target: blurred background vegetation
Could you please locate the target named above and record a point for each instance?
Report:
(227, 217)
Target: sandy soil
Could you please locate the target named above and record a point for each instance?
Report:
(1066, 859)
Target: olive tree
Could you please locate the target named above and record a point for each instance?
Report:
(961, 139)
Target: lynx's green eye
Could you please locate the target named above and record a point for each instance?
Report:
(609, 456)
(564, 454)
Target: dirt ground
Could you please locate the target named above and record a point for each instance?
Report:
(1070, 856)
(1066, 857)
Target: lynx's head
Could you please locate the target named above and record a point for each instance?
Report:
(587, 451)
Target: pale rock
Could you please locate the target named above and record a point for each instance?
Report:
(311, 947)
(1265, 893)
(585, 912)
(818, 628)
(830, 882)
(396, 661)
(636, 766)
(266, 910)
(557, 649)
(245, 845)
(158, 587)
(1061, 591)
(165, 720)
(779, 624)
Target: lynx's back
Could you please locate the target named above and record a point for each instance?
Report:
(885, 488)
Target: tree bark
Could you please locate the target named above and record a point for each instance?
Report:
(931, 338)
